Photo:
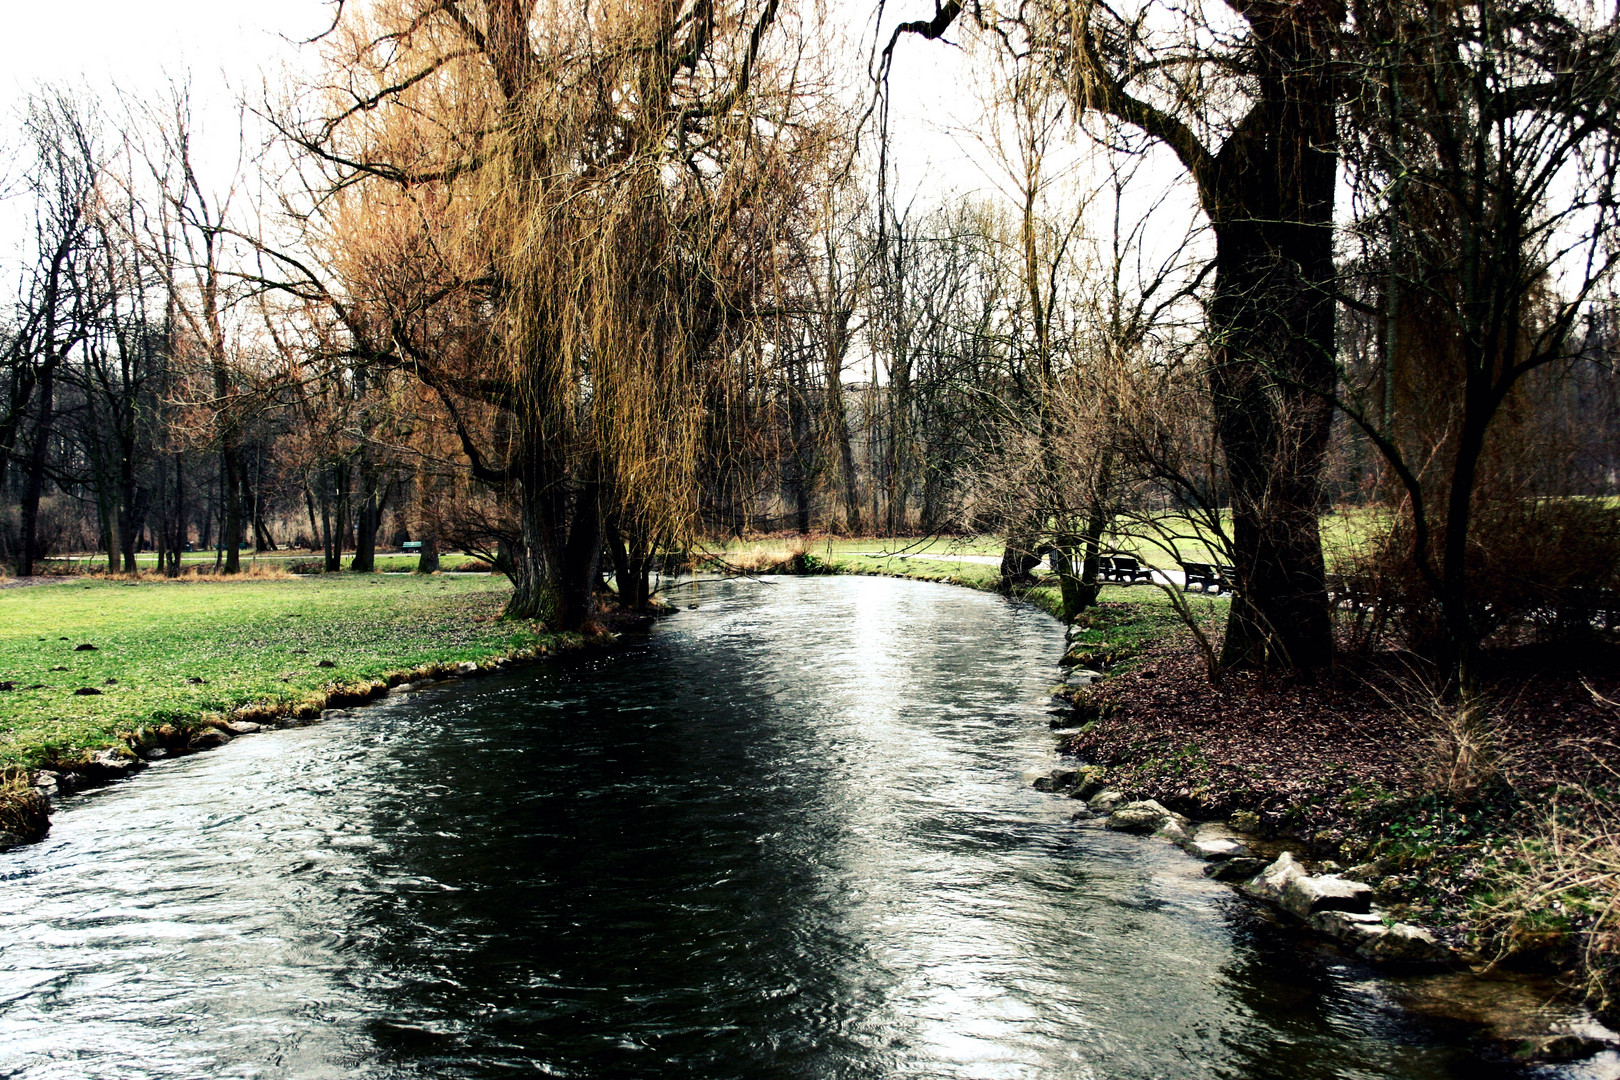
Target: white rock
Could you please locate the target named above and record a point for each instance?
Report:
(1104, 801)
(1269, 883)
(1404, 943)
(1352, 927)
(1174, 831)
(1304, 895)
(1218, 849)
(1144, 815)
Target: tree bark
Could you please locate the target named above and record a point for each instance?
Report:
(231, 475)
(428, 563)
(34, 474)
(1271, 324)
(555, 566)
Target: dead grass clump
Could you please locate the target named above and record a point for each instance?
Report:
(24, 812)
(1564, 890)
(775, 556)
(197, 573)
(1465, 742)
(251, 572)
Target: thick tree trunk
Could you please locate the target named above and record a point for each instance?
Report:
(1271, 320)
(366, 522)
(428, 563)
(34, 474)
(231, 472)
(1018, 559)
(632, 567)
(556, 564)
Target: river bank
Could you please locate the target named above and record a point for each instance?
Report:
(781, 834)
(100, 675)
(1499, 838)
(1336, 771)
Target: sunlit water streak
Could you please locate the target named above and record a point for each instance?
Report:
(786, 837)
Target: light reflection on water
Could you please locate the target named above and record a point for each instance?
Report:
(785, 838)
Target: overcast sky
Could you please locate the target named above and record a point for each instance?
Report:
(224, 48)
(133, 42)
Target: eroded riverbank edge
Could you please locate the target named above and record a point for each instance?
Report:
(28, 797)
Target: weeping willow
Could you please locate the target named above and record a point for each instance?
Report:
(600, 188)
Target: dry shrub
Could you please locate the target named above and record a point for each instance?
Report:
(1465, 743)
(1531, 563)
(763, 557)
(251, 572)
(24, 812)
(1564, 889)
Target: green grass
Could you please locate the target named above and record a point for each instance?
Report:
(1152, 615)
(147, 560)
(253, 642)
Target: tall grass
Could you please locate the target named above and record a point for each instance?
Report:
(1564, 889)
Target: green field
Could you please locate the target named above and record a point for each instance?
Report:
(204, 560)
(251, 641)
(1152, 613)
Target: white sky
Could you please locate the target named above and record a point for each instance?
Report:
(226, 47)
(132, 42)
(223, 46)
(137, 46)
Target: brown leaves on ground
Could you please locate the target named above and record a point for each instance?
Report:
(1306, 755)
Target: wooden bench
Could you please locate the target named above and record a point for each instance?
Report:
(1209, 577)
(1346, 591)
(1127, 571)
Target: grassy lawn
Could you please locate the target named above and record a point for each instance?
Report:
(1133, 616)
(250, 642)
(1343, 531)
(951, 560)
(203, 560)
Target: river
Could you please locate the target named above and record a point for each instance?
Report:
(786, 836)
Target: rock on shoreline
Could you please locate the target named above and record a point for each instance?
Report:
(1329, 904)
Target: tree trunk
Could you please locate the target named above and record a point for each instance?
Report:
(1271, 320)
(160, 530)
(1018, 559)
(555, 566)
(428, 563)
(231, 527)
(178, 543)
(34, 474)
(331, 524)
(366, 521)
(801, 463)
(129, 510)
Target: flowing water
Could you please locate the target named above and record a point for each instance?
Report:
(785, 837)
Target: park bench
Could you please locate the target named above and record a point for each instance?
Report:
(1209, 577)
(411, 545)
(1127, 571)
(1346, 591)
